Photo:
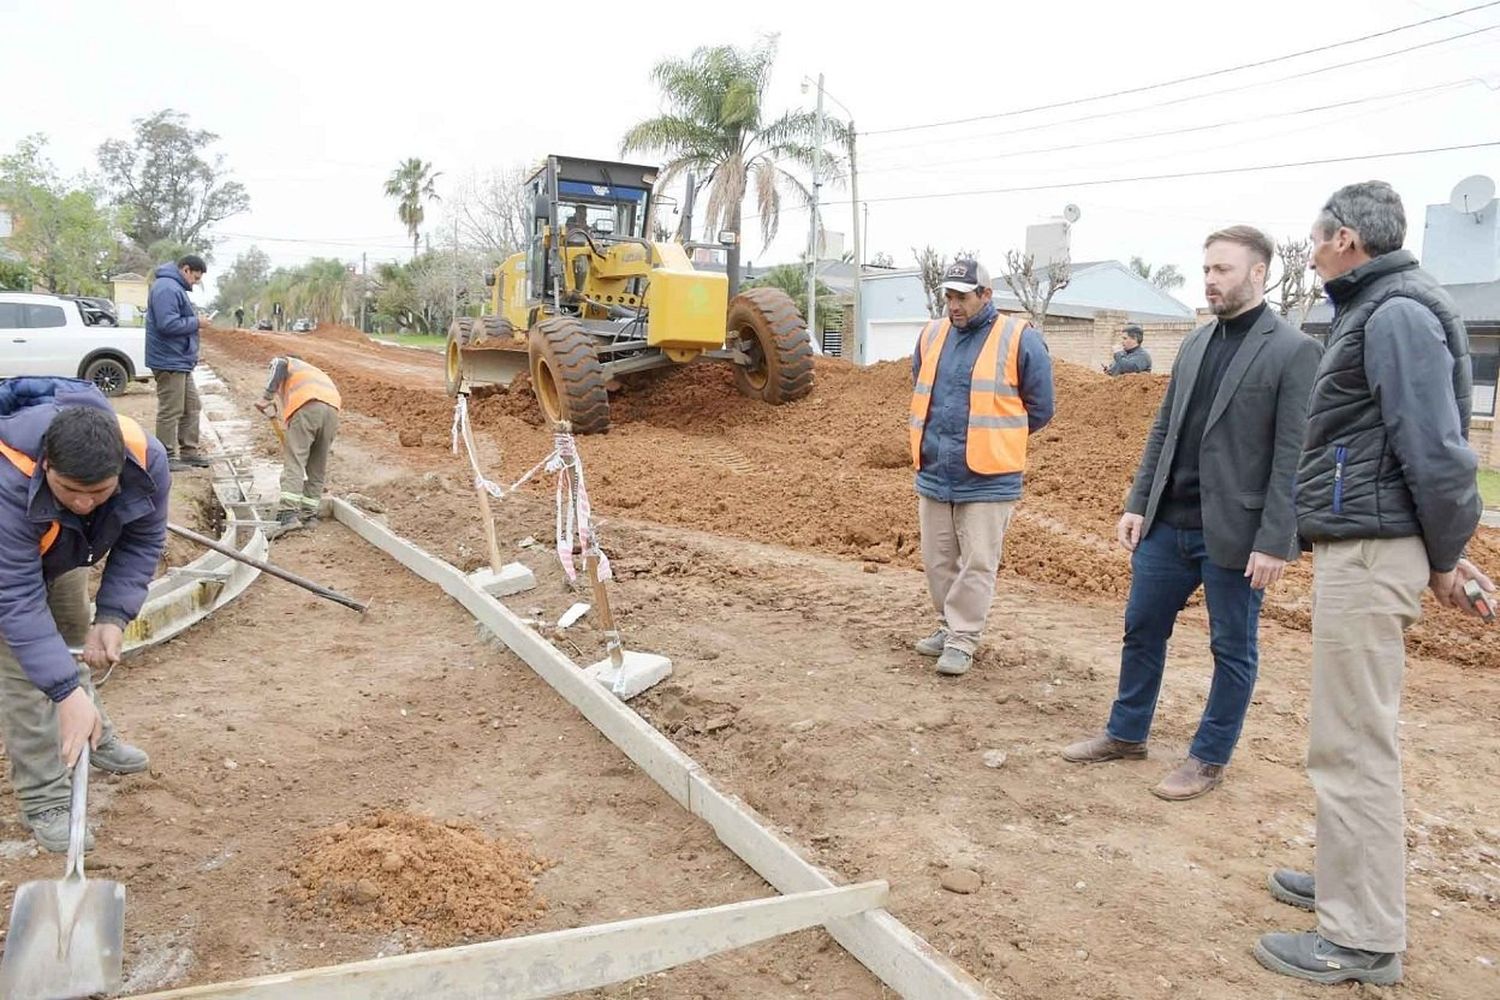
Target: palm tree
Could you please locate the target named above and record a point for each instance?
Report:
(1166, 277)
(792, 279)
(411, 185)
(715, 125)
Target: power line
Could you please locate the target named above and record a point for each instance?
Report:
(1097, 182)
(1189, 129)
(1218, 72)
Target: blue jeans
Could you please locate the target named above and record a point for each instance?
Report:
(1168, 565)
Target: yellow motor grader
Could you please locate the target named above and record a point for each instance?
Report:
(593, 298)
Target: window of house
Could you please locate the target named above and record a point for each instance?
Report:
(1485, 354)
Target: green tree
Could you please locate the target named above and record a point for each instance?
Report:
(1166, 277)
(64, 236)
(319, 289)
(717, 126)
(175, 189)
(14, 276)
(411, 184)
(792, 279)
(243, 281)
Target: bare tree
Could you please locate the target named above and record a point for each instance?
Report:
(931, 266)
(1033, 286)
(493, 211)
(1298, 288)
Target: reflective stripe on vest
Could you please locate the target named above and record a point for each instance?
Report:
(135, 447)
(305, 383)
(998, 422)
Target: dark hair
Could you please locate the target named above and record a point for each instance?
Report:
(1249, 237)
(84, 443)
(1134, 332)
(192, 262)
(1372, 209)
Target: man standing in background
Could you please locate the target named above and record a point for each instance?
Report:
(172, 353)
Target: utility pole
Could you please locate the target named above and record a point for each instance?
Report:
(853, 347)
(455, 270)
(364, 289)
(813, 227)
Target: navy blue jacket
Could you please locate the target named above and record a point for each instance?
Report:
(945, 474)
(171, 323)
(130, 527)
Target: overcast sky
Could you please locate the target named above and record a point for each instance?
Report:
(317, 102)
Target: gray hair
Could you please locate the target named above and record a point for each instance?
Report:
(1373, 210)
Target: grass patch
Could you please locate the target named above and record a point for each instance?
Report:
(1489, 487)
(427, 342)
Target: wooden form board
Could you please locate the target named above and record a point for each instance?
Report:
(893, 952)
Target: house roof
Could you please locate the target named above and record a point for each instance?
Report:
(1478, 303)
(127, 276)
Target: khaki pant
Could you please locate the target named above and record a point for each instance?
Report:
(961, 544)
(177, 409)
(1366, 592)
(28, 718)
(304, 458)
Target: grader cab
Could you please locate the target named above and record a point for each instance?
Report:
(593, 298)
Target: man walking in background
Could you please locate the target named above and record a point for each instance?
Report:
(1212, 507)
(983, 384)
(172, 353)
(1387, 497)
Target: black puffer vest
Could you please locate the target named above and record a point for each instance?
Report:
(1349, 484)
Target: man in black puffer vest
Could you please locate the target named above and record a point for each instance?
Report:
(1386, 496)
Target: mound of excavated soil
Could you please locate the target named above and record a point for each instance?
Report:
(447, 881)
(830, 473)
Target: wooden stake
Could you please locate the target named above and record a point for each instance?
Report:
(612, 642)
(490, 538)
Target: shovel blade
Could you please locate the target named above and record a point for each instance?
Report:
(46, 959)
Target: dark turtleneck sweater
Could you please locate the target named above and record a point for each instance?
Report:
(1182, 505)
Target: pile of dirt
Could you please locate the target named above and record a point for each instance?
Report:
(447, 881)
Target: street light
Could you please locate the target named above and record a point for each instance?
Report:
(851, 347)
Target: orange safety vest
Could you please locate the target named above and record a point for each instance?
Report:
(135, 447)
(305, 383)
(997, 415)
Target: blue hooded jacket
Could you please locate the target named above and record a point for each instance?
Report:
(171, 323)
(130, 527)
(945, 475)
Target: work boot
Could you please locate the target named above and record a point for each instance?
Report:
(954, 662)
(933, 644)
(1189, 780)
(1293, 887)
(118, 757)
(1313, 957)
(196, 461)
(50, 828)
(286, 520)
(1102, 748)
(178, 465)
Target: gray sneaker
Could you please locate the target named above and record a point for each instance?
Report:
(1313, 957)
(954, 662)
(933, 644)
(50, 828)
(118, 757)
(1293, 887)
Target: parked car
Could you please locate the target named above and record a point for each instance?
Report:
(96, 311)
(263, 324)
(47, 335)
(304, 325)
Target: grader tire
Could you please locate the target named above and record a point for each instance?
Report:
(460, 335)
(495, 329)
(765, 324)
(566, 376)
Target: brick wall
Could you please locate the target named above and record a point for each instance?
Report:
(1484, 438)
(1092, 343)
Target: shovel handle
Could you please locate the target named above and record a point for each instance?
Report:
(78, 813)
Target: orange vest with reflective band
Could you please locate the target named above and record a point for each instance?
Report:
(135, 447)
(997, 415)
(305, 383)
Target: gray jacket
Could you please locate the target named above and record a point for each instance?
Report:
(1386, 455)
(1251, 444)
(1131, 362)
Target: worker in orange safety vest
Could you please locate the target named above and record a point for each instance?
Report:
(309, 405)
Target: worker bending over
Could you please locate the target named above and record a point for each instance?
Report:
(309, 406)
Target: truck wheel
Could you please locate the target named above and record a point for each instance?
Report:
(459, 335)
(566, 375)
(764, 323)
(109, 374)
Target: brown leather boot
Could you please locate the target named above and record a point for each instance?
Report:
(1101, 748)
(1189, 780)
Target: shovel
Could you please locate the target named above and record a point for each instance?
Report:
(67, 936)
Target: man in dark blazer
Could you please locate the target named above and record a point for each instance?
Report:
(1211, 506)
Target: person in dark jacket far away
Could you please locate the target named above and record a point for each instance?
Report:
(172, 353)
(1211, 507)
(1131, 358)
(1387, 498)
(77, 485)
(982, 383)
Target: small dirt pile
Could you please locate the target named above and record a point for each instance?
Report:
(445, 880)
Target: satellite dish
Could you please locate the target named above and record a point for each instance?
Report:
(1472, 194)
(1072, 214)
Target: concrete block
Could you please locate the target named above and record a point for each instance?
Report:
(513, 578)
(641, 671)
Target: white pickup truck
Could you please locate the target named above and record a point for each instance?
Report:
(46, 335)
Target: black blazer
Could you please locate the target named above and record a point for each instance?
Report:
(1251, 443)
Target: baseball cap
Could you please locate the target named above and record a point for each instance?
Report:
(966, 275)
